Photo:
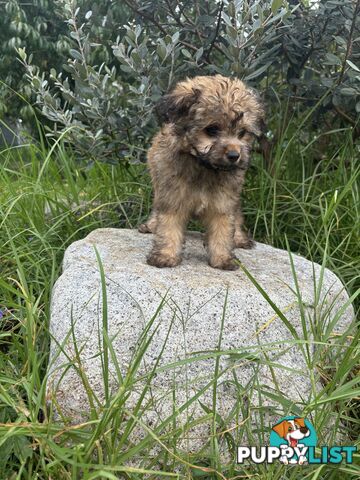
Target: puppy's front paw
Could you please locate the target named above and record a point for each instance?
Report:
(225, 263)
(244, 241)
(144, 228)
(159, 260)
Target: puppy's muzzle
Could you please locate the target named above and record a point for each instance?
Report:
(232, 156)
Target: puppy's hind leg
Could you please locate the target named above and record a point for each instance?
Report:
(150, 225)
(169, 236)
(242, 239)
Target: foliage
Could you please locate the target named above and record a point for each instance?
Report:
(300, 53)
(320, 49)
(48, 200)
(39, 27)
(31, 24)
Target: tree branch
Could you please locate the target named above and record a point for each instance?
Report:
(216, 32)
(135, 8)
(177, 18)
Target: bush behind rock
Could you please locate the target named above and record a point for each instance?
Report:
(107, 64)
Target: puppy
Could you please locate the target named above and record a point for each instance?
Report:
(197, 165)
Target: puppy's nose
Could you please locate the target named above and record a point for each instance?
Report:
(232, 156)
(304, 429)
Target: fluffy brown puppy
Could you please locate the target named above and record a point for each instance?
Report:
(197, 165)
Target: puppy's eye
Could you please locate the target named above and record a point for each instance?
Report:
(212, 130)
(241, 133)
(290, 429)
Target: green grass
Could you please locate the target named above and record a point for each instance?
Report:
(48, 200)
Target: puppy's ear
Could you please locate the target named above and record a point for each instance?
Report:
(300, 421)
(281, 428)
(259, 127)
(173, 106)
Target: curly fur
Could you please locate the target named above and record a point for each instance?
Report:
(197, 163)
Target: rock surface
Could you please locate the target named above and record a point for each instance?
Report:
(189, 324)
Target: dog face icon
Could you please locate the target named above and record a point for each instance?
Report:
(293, 431)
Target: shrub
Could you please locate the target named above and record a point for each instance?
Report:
(294, 52)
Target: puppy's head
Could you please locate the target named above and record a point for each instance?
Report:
(216, 119)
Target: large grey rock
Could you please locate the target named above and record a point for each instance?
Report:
(189, 322)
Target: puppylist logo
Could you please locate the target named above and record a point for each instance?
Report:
(292, 442)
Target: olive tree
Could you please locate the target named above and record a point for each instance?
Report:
(121, 60)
